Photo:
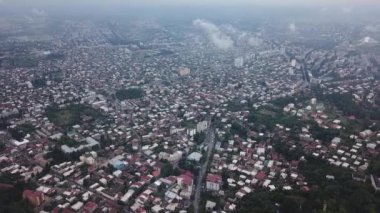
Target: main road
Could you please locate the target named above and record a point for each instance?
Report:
(210, 142)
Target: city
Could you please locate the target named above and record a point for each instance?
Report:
(192, 115)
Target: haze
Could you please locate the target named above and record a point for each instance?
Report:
(201, 2)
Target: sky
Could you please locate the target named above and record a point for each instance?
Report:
(201, 2)
(198, 8)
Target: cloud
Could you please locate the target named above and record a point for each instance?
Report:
(215, 35)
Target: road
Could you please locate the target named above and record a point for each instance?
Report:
(210, 141)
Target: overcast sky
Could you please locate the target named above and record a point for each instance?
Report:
(202, 2)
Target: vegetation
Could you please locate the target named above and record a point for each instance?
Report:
(346, 104)
(20, 62)
(68, 116)
(189, 165)
(236, 105)
(4, 124)
(21, 131)
(199, 137)
(58, 156)
(269, 119)
(374, 167)
(55, 56)
(168, 170)
(282, 102)
(289, 154)
(131, 93)
(65, 140)
(325, 135)
(39, 82)
(11, 195)
(339, 195)
(237, 129)
(188, 124)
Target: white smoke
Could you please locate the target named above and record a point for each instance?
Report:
(371, 28)
(230, 29)
(216, 36)
(368, 40)
(29, 19)
(38, 12)
(243, 36)
(255, 41)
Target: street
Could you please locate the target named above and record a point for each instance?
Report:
(210, 141)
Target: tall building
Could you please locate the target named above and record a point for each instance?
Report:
(239, 62)
(293, 63)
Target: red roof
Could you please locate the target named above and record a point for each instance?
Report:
(31, 193)
(144, 178)
(261, 176)
(156, 173)
(186, 180)
(187, 173)
(91, 206)
(214, 178)
(67, 210)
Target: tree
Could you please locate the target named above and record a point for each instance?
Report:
(131, 93)
(39, 82)
(199, 137)
(168, 170)
(291, 204)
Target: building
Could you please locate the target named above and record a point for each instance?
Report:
(195, 156)
(90, 143)
(186, 180)
(213, 182)
(239, 62)
(90, 207)
(202, 126)
(293, 63)
(35, 198)
(183, 71)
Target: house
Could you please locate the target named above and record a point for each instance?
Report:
(202, 126)
(210, 205)
(261, 176)
(213, 182)
(78, 205)
(90, 207)
(359, 176)
(186, 180)
(35, 198)
(365, 133)
(195, 156)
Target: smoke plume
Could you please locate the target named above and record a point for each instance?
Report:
(215, 35)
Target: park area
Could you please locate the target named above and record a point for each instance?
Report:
(71, 115)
